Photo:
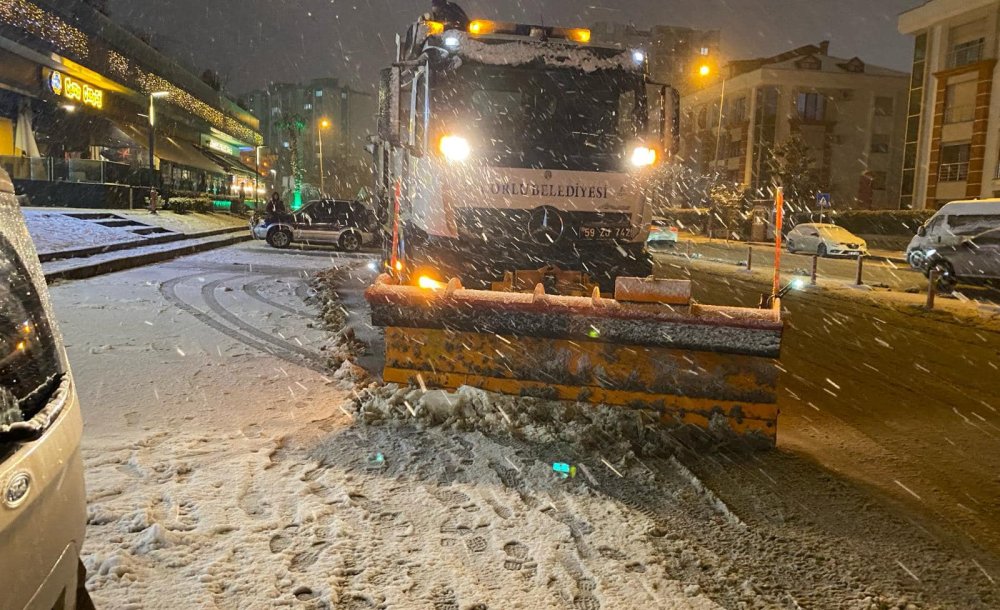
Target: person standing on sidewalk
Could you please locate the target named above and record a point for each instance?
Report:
(154, 200)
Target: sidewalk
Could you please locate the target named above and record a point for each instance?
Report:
(70, 233)
(967, 306)
(138, 256)
(75, 243)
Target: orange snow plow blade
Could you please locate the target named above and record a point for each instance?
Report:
(649, 349)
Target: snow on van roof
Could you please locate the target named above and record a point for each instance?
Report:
(517, 53)
(971, 206)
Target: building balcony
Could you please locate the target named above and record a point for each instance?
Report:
(966, 54)
(954, 172)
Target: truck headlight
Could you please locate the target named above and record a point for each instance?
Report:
(455, 148)
(643, 156)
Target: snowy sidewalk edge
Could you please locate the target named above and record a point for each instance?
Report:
(46, 257)
(112, 265)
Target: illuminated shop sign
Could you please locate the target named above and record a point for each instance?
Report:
(219, 146)
(75, 90)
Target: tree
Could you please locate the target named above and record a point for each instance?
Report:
(294, 125)
(792, 166)
(728, 203)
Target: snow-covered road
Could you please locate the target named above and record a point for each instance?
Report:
(225, 471)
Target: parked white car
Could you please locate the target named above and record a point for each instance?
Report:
(825, 240)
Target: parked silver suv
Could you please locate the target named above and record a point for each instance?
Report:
(42, 499)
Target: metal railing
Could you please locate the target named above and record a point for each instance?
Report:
(954, 172)
(966, 53)
(959, 114)
(47, 169)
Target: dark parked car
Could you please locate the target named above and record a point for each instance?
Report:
(345, 224)
(974, 260)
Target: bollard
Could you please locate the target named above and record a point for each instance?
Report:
(858, 280)
(931, 288)
(812, 278)
(749, 258)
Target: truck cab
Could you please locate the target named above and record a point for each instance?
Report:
(505, 146)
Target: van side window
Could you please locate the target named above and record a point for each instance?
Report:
(30, 367)
(973, 224)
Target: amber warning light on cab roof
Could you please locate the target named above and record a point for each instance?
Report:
(484, 27)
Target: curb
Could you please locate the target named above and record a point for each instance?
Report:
(140, 260)
(46, 257)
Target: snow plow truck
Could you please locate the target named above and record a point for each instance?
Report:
(513, 168)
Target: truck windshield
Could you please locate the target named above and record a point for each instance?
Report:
(543, 119)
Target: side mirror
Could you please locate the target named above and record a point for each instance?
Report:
(922, 231)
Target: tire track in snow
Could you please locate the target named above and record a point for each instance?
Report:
(273, 348)
(252, 289)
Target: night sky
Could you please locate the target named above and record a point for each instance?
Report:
(252, 42)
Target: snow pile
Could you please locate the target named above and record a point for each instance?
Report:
(615, 430)
(520, 53)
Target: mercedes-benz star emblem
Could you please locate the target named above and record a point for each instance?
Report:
(545, 225)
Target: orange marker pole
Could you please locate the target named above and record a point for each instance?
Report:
(779, 207)
(394, 256)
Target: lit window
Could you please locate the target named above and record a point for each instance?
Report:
(308, 107)
(319, 93)
(704, 50)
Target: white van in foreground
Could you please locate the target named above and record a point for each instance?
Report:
(43, 508)
(952, 223)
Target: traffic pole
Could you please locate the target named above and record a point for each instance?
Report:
(749, 258)
(858, 280)
(931, 288)
(779, 205)
(815, 269)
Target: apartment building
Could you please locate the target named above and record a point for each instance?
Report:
(673, 52)
(336, 120)
(952, 145)
(851, 114)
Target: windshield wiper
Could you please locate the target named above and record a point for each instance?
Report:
(52, 394)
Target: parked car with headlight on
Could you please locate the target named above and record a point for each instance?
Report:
(662, 234)
(345, 224)
(43, 507)
(825, 240)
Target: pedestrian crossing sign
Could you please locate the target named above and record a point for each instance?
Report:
(824, 200)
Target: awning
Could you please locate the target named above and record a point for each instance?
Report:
(230, 164)
(173, 150)
(185, 153)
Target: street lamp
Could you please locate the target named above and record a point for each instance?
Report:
(323, 124)
(152, 132)
(704, 71)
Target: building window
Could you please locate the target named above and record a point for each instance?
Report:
(319, 93)
(965, 53)
(879, 180)
(960, 102)
(880, 143)
(811, 107)
(954, 163)
(884, 106)
(739, 111)
(704, 50)
(308, 107)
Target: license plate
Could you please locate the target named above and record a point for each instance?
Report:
(606, 232)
